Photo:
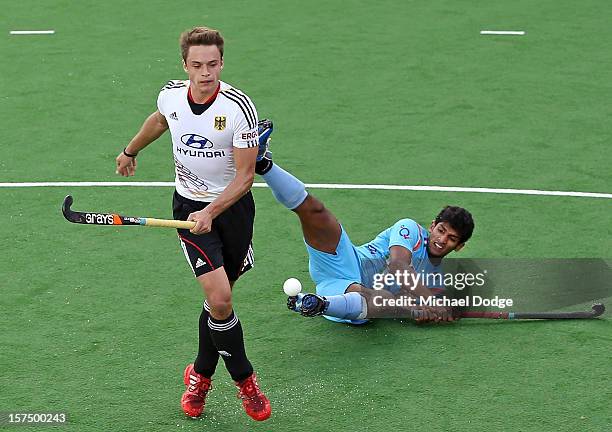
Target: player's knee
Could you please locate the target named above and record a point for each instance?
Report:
(220, 305)
(310, 205)
(316, 206)
(315, 210)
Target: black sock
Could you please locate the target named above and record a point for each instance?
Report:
(208, 356)
(263, 166)
(227, 336)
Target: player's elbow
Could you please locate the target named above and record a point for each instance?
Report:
(400, 258)
(162, 126)
(159, 121)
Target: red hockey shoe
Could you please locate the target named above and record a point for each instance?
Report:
(194, 398)
(254, 402)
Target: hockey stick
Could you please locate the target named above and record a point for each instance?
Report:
(595, 311)
(91, 218)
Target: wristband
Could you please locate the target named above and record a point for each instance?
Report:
(129, 154)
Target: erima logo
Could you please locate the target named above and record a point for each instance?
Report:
(225, 354)
(200, 263)
(173, 116)
(196, 141)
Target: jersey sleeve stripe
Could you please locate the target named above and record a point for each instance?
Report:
(246, 110)
(239, 103)
(170, 85)
(174, 84)
(247, 104)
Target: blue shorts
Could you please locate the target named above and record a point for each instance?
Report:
(334, 273)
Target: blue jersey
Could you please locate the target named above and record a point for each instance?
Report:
(374, 256)
(334, 273)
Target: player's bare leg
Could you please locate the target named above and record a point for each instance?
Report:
(320, 227)
(218, 291)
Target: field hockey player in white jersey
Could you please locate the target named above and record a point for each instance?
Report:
(214, 129)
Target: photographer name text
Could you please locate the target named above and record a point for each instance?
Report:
(410, 301)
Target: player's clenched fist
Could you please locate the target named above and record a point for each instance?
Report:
(433, 314)
(126, 165)
(203, 222)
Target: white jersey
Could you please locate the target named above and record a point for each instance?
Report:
(203, 145)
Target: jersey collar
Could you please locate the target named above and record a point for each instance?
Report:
(210, 100)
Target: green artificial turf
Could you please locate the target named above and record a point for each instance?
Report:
(99, 322)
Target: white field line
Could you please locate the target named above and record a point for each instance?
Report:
(503, 32)
(330, 186)
(31, 32)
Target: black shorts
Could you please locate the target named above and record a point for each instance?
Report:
(228, 244)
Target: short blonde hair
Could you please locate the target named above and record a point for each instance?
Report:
(200, 36)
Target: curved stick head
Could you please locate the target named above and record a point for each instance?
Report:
(598, 309)
(68, 214)
(67, 203)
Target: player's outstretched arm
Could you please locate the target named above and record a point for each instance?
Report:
(152, 128)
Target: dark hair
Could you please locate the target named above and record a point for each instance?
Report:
(200, 36)
(459, 219)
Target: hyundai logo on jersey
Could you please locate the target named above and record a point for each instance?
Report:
(196, 141)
